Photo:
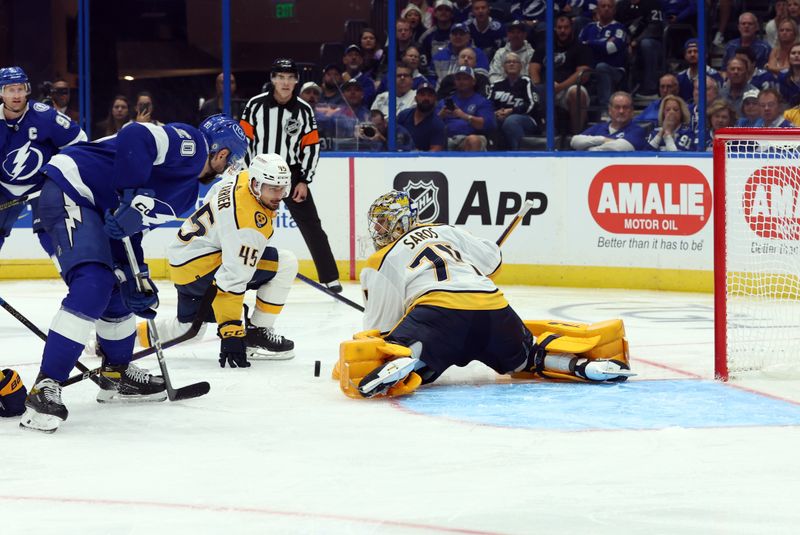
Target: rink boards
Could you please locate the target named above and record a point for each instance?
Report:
(630, 222)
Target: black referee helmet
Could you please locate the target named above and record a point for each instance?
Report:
(284, 65)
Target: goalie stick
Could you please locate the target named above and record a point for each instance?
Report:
(526, 206)
(19, 200)
(186, 392)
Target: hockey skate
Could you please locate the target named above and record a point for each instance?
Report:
(129, 383)
(44, 410)
(383, 378)
(263, 343)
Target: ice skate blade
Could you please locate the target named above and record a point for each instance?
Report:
(264, 354)
(112, 396)
(44, 423)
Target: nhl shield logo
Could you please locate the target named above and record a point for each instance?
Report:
(429, 190)
(425, 194)
(291, 127)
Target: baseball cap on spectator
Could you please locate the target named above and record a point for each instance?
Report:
(443, 3)
(425, 86)
(330, 66)
(352, 48)
(464, 69)
(311, 85)
(753, 93)
(459, 27)
(518, 25)
(352, 82)
(690, 43)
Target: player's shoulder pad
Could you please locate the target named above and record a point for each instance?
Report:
(247, 211)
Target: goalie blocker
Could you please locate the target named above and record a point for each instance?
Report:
(370, 366)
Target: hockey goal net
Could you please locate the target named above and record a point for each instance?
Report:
(757, 252)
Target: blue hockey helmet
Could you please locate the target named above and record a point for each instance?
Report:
(13, 75)
(223, 132)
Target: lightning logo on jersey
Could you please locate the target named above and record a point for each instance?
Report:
(73, 217)
(23, 162)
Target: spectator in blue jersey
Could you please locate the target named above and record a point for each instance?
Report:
(438, 37)
(771, 104)
(751, 110)
(608, 40)
(644, 21)
(447, 85)
(462, 10)
(94, 196)
(673, 133)
(756, 76)
(789, 80)
(331, 96)
(748, 38)
(691, 54)
(515, 104)
(413, 15)
(487, 34)
(619, 134)
(737, 84)
(425, 127)
(468, 116)
(532, 13)
(516, 43)
(30, 134)
(419, 73)
(353, 63)
(667, 85)
(446, 60)
(679, 11)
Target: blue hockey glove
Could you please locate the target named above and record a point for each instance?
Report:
(232, 345)
(12, 394)
(126, 220)
(143, 304)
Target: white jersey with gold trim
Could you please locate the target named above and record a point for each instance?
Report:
(436, 265)
(229, 232)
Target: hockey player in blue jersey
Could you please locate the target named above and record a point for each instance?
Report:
(30, 133)
(94, 195)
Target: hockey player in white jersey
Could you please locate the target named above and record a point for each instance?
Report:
(226, 243)
(430, 304)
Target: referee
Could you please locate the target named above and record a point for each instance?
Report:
(279, 122)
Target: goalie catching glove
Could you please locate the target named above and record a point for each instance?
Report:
(12, 394)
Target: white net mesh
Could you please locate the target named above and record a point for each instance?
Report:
(762, 252)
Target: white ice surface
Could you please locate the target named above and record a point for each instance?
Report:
(272, 449)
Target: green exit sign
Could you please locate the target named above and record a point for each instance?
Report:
(284, 10)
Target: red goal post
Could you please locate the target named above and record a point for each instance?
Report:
(757, 252)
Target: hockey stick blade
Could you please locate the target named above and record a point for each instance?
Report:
(190, 391)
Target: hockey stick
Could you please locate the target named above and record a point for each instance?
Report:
(526, 206)
(19, 200)
(195, 327)
(38, 332)
(322, 288)
(186, 392)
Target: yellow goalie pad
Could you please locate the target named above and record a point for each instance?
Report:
(359, 357)
(601, 340)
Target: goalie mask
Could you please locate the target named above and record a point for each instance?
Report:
(269, 170)
(391, 216)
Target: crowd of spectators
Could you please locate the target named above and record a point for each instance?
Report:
(471, 76)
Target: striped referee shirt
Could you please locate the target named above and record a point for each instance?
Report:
(286, 129)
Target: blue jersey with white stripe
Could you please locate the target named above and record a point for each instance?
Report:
(27, 143)
(166, 159)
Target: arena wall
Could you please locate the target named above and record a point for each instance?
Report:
(629, 222)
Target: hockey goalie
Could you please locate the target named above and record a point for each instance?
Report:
(431, 304)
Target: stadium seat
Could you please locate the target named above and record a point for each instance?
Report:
(379, 14)
(330, 53)
(352, 31)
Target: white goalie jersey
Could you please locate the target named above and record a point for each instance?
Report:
(436, 265)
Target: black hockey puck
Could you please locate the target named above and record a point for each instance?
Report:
(317, 365)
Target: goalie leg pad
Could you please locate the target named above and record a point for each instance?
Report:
(359, 358)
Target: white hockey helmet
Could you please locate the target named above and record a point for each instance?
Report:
(269, 170)
(390, 216)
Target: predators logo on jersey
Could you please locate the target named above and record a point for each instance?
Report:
(261, 219)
